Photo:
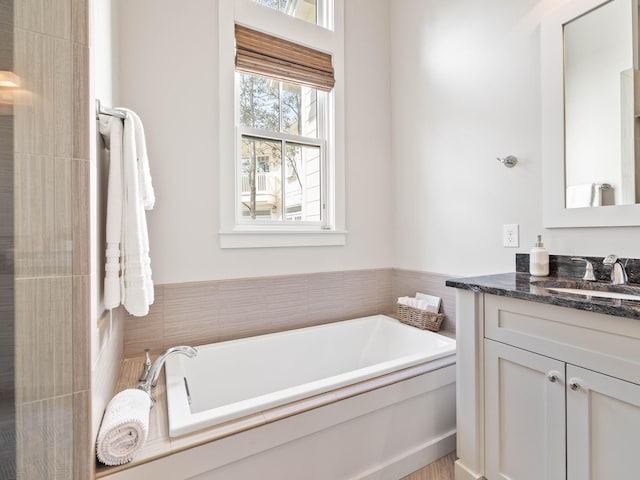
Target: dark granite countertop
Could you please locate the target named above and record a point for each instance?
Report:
(519, 285)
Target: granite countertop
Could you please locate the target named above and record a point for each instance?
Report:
(519, 285)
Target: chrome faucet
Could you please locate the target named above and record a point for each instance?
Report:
(588, 269)
(618, 273)
(154, 372)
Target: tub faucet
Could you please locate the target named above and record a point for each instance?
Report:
(618, 273)
(154, 372)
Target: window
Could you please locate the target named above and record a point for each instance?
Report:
(281, 149)
(287, 173)
(306, 10)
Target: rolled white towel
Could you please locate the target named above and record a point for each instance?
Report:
(125, 427)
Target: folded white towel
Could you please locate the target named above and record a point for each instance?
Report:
(144, 174)
(432, 303)
(138, 286)
(111, 129)
(580, 196)
(125, 427)
(128, 276)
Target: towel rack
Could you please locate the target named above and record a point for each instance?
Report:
(108, 111)
(603, 186)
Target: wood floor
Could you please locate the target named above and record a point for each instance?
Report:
(441, 469)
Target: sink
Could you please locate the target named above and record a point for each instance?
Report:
(590, 289)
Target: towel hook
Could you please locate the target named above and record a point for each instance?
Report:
(509, 161)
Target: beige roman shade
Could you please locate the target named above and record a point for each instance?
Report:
(260, 54)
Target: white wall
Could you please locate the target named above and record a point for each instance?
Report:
(466, 88)
(168, 74)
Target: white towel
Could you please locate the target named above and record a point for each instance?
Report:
(124, 428)
(136, 273)
(144, 174)
(111, 129)
(130, 192)
(580, 196)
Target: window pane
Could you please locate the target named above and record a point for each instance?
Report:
(302, 183)
(259, 102)
(299, 110)
(306, 10)
(261, 197)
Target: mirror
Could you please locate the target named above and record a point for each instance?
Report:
(599, 107)
(588, 51)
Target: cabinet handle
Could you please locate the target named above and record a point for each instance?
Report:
(574, 384)
(553, 376)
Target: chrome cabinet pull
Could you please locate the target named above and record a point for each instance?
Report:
(553, 376)
(575, 384)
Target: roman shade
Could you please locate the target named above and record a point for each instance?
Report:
(260, 54)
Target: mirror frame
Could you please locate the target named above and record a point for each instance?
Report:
(555, 215)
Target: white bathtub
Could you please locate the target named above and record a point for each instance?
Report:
(229, 380)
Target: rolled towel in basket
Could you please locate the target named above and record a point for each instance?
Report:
(124, 428)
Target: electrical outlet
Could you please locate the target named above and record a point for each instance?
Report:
(510, 235)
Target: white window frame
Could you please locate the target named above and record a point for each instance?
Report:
(233, 234)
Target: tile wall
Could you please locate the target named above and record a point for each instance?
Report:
(52, 268)
(7, 342)
(205, 312)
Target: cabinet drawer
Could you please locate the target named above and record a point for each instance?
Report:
(605, 343)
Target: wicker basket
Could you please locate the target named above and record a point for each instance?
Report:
(419, 318)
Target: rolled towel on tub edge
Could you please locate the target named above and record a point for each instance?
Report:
(124, 428)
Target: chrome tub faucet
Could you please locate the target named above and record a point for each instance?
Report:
(153, 372)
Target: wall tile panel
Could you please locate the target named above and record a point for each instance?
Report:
(43, 429)
(326, 297)
(43, 338)
(35, 102)
(146, 332)
(190, 313)
(62, 98)
(81, 217)
(81, 333)
(81, 102)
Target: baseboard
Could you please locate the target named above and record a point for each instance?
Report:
(413, 460)
(462, 473)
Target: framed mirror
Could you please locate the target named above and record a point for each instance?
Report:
(590, 126)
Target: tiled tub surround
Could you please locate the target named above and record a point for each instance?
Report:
(518, 285)
(207, 312)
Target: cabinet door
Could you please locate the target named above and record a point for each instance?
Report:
(524, 415)
(603, 426)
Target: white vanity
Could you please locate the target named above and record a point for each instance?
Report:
(545, 391)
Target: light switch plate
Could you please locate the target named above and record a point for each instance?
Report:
(511, 235)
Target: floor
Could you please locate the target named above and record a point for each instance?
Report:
(441, 469)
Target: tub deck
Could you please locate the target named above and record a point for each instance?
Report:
(159, 444)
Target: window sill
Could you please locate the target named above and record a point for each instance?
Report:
(278, 238)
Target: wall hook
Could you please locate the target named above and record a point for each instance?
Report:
(509, 161)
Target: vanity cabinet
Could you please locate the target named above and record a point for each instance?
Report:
(524, 415)
(546, 392)
(535, 405)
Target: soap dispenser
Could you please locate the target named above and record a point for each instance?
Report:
(539, 259)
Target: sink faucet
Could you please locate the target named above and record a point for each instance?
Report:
(154, 372)
(618, 273)
(588, 269)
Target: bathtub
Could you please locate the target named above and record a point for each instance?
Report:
(234, 379)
